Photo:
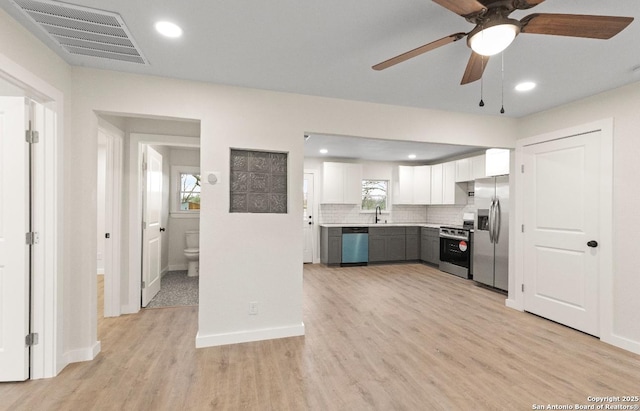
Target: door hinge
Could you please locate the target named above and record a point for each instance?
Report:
(107, 235)
(522, 168)
(32, 136)
(144, 166)
(144, 285)
(523, 287)
(31, 238)
(31, 339)
(522, 228)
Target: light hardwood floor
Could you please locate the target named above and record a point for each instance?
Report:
(391, 337)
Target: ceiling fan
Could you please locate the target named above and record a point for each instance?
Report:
(495, 31)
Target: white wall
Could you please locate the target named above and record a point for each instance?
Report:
(621, 105)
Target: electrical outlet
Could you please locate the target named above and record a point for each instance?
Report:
(253, 308)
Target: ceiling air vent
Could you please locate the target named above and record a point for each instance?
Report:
(82, 30)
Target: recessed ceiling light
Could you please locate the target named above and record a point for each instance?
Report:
(412, 156)
(526, 86)
(168, 29)
(323, 151)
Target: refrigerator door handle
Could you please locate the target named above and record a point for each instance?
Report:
(491, 221)
(498, 223)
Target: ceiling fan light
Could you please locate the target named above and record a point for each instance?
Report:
(492, 40)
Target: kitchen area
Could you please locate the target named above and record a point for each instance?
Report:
(450, 215)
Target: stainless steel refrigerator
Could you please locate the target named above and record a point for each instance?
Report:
(491, 234)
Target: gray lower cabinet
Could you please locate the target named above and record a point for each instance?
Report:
(430, 245)
(412, 243)
(330, 245)
(387, 244)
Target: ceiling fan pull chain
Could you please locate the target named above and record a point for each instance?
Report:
(481, 83)
(502, 85)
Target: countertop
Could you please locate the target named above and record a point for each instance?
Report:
(384, 225)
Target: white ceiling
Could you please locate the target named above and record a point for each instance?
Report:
(327, 48)
(382, 150)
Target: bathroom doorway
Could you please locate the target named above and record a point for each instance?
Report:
(179, 153)
(170, 239)
(181, 146)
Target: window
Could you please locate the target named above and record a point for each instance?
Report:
(189, 191)
(374, 194)
(185, 190)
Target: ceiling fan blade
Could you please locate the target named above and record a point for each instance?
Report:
(475, 68)
(575, 25)
(517, 4)
(462, 7)
(418, 51)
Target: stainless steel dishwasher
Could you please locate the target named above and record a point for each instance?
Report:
(355, 246)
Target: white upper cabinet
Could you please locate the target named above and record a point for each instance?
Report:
(422, 185)
(352, 183)
(436, 184)
(341, 183)
(403, 187)
(469, 169)
(497, 162)
(464, 171)
(478, 164)
(412, 185)
(452, 193)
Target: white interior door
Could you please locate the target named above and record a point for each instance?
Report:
(561, 209)
(151, 238)
(14, 253)
(307, 218)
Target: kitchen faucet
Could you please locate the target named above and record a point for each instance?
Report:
(378, 209)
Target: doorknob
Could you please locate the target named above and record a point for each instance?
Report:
(162, 229)
(592, 244)
(310, 223)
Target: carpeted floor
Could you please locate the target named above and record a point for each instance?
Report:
(176, 289)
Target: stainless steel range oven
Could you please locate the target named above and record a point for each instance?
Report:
(455, 251)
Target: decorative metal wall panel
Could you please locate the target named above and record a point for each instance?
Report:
(258, 182)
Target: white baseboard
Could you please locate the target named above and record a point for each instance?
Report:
(213, 340)
(164, 271)
(129, 309)
(100, 270)
(514, 304)
(82, 354)
(622, 342)
(178, 267)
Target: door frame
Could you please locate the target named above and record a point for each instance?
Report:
(47, 359)
(314, 229)
(137, 141)
(113, 218)
(516, 277)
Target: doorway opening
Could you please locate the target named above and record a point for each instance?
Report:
(180, 148)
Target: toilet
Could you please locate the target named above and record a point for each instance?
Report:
(192, 252)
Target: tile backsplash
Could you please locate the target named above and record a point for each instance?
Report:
(347, 213)
(435, 214)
